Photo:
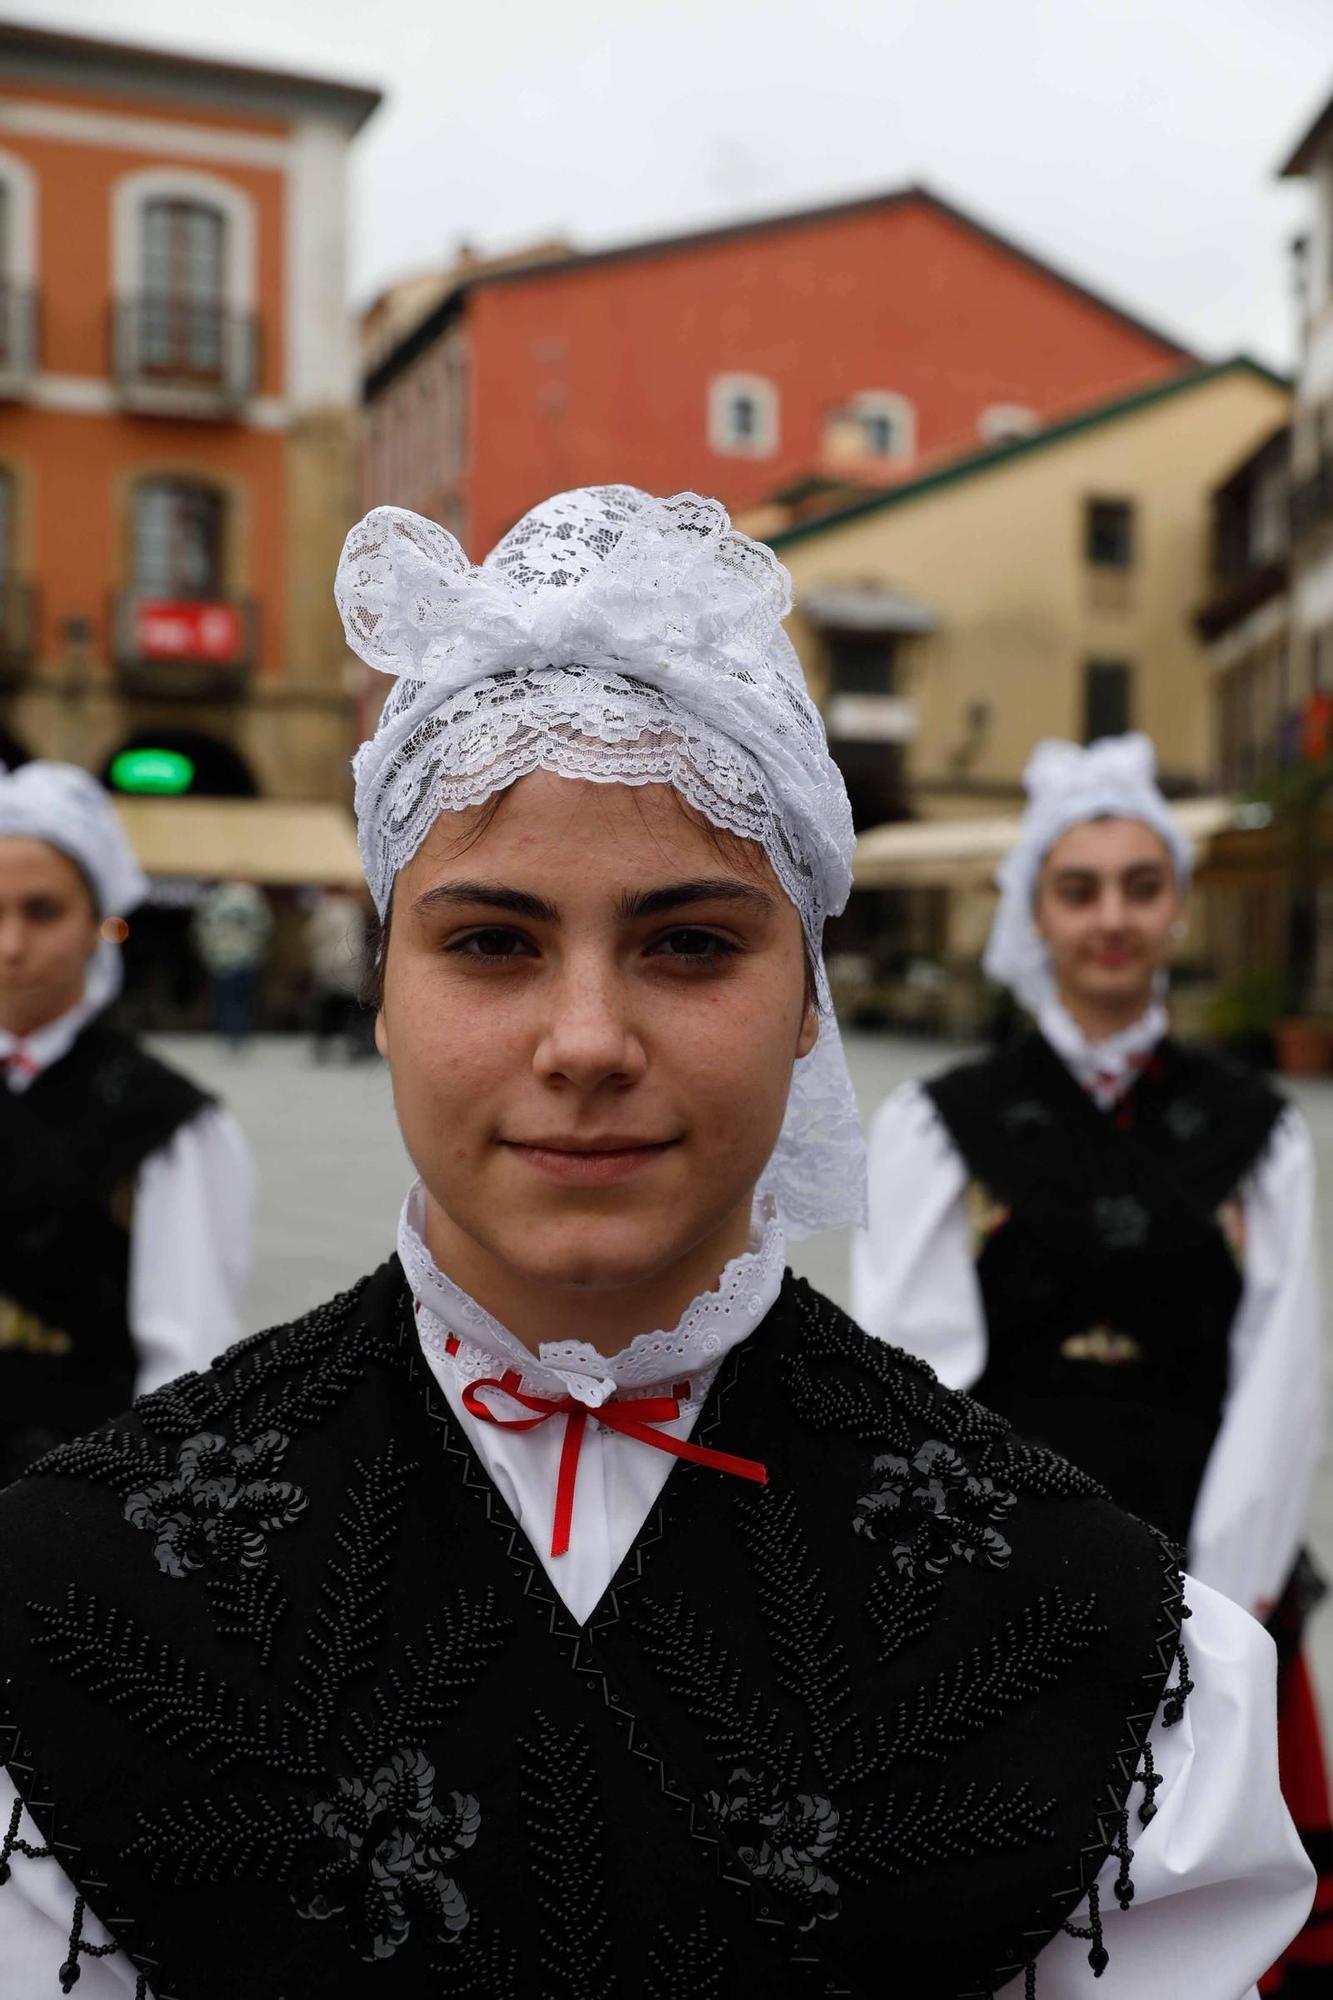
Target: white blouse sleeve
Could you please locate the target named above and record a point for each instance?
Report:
(36, 1911)
(914, 1281)
(192, 1247)
(1221, 1881)
(1247, 1519)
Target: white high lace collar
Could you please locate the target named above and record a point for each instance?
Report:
(44, 1046)
(695, 1347)
(1106, 1069)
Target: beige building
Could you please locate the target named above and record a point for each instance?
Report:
(1047, 586)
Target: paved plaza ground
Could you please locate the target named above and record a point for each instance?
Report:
(334, 1174)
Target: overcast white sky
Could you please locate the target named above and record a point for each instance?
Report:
(1132, 141)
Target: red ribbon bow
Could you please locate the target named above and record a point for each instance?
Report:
(18, 1062)
(635, 1419)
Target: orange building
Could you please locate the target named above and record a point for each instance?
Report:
(177, 430)
(854, 342)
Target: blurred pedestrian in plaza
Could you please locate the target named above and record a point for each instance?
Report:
(126, 1194)
(1109, 1237)
(402, 1654)
(231, 932)
(335, 940)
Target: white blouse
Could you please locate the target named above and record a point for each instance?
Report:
(1221, 1880)
(192, 1235)
(914, 1282)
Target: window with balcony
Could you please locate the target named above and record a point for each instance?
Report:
(743, 416)
(184, 330)
(178, 539)
(17, 296)
(184, 298)
(180, 630)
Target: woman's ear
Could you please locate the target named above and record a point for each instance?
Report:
(809, 1034)
(381, 1035)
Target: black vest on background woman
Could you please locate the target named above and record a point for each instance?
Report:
(1108, 1283)
(71, 1146)
(285, 1684)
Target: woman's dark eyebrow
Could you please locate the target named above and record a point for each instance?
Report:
(635, 903)
(680, 895)
(491, 896)
(1069, 875)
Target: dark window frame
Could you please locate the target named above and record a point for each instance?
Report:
(195, 508)
(1108, 698)
(1109, 532)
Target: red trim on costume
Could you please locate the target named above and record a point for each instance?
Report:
(635, 1418)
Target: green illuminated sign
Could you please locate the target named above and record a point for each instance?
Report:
(165, 772)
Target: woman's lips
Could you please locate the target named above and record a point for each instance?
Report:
(596, 1165)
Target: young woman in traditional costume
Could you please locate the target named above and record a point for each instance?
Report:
(1109, 1237)
(581, 1605)
(125, 1192)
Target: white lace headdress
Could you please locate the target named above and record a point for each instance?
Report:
(64, 805)
(628, 640)
(1116, 777)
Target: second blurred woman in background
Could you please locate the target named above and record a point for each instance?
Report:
(1110, 1237)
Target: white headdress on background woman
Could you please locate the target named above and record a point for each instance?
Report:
(1114, 778)
(628, 640)
(64, 806)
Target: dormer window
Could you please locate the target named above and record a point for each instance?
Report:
(1002, 423)
(743, 416)
(886, 424)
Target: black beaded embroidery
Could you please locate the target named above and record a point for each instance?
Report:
(1027, 1653)
(808, 1660)
(690, 1968)
(563, 1819)
(375, 1842)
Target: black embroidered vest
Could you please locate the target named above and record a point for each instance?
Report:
(70, 1147)
(292, 1697)
(1108, 1283)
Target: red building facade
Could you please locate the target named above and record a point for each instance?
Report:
(853, 342)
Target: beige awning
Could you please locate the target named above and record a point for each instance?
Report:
(964, 853)
(271, 841)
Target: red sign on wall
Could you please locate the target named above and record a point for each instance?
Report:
(166, 629)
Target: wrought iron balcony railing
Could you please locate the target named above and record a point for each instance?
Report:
(183, 648)
(177, 354)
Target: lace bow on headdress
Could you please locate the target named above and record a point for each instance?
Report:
(608, 577)
(622, 639)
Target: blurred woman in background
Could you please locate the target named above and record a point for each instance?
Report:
(1109, 1237)
(126, 1193)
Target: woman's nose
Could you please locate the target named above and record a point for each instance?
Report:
(589, 1036)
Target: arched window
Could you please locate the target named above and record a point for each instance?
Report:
(178, 535)
(743, 415)
(183, 269)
